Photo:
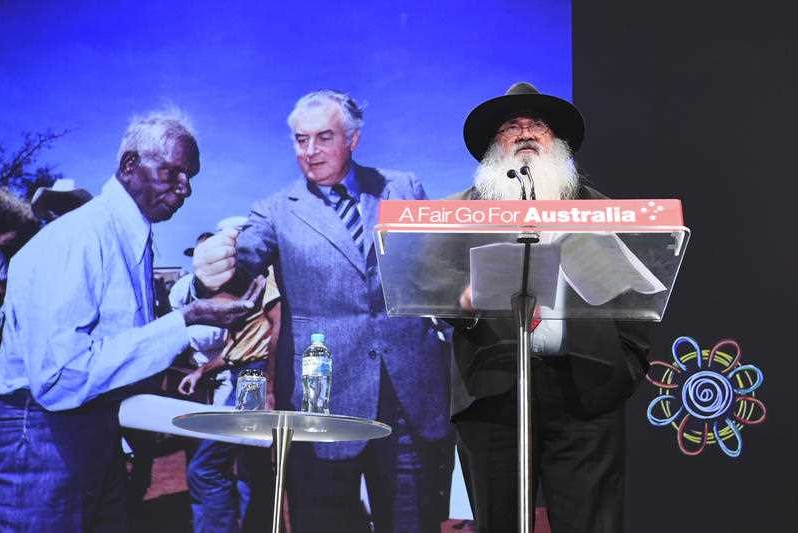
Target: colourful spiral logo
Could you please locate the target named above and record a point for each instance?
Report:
(707, 396)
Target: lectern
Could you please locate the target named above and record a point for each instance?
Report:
(599, 259)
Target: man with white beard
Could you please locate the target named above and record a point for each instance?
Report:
(583, 369)
(551, 166)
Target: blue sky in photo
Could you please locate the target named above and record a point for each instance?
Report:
(238, 67)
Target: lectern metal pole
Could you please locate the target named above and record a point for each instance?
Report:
(523, 310)
(281, 440)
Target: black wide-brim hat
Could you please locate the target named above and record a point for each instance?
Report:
(522, 98)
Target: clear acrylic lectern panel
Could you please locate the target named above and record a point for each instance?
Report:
(575, 274)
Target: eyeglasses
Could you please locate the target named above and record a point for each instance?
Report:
(535, 127)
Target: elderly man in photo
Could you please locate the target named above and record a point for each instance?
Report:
(78, 328)
(318, 234)
(583, 369)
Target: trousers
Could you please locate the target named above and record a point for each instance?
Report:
(578, 458)
(61, 470)
(408, 481)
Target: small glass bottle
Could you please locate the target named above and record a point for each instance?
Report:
(251, 391)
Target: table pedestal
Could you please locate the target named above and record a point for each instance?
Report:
(283, 428)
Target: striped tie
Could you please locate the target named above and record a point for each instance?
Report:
(347, 209)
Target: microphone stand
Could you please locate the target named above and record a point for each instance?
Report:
(513, 175)
(525, 170)
(523, 305)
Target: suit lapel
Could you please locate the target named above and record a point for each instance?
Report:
(311, 208)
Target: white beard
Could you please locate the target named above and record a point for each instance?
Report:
(553, 172)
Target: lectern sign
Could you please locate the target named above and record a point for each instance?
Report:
(575, 215)
(590, 258)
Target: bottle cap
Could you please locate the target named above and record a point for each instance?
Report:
(317, 337)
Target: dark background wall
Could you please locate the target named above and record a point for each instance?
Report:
(698, 101)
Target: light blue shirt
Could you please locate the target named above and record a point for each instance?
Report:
(76, 318)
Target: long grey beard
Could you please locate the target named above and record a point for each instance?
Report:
(553, 173)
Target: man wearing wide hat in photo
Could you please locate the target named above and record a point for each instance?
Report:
(583, 370)
(49, 203)
(17, 225)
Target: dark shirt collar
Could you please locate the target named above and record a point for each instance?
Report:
(349, 181)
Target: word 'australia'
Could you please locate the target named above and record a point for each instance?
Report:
(608, 214)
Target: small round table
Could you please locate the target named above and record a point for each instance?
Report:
(283, 427)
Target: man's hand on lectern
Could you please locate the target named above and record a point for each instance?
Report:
(465, 300)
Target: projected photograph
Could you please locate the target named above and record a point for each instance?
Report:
(189, 193)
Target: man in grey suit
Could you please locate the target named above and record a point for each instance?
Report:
(318, 235)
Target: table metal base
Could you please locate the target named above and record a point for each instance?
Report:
(283, 427)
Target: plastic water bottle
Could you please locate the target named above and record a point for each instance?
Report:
(316, 376)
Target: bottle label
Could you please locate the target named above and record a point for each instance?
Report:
(316, 366)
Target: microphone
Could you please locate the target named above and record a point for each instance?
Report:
(513, 175)
(526, 171)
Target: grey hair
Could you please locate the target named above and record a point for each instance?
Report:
(150, 133)
(351, 112)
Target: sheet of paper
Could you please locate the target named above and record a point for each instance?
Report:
(600, 267)
(496, 274)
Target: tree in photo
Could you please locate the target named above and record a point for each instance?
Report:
(18, 172)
